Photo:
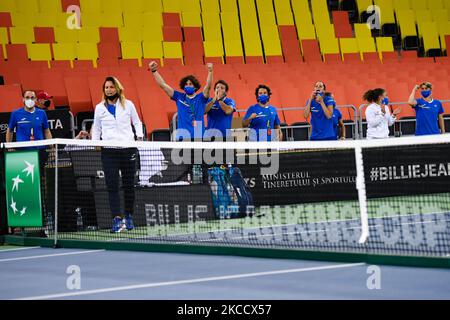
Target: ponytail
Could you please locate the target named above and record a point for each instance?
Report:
(373, 95)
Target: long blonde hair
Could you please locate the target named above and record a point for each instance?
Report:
(119, 89)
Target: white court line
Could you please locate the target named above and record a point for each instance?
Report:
(50, 255)
(17, 249)
(191, 281)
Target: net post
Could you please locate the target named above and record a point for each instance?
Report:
(362, 197)
(55, 244)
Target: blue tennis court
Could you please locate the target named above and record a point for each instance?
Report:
(41, 273)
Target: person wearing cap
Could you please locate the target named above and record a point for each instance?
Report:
(429, 112)
(43, 100)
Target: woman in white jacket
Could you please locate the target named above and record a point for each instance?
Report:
(378, 116)
(112, 122)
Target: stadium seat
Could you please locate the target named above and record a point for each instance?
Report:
(384, 44)
(152, 50)
(193, 52)
(283, 12)
(210, 6)
(172, 34)
(130, 34)
(8, 6)
(131, 50)
(78, 94)
(4, 39)
(16, 52)
(342, 27)
(172, 50)
(108, 50)
(191, 19)
(311, 51)
(171, 19)
(22, 35)
(5, 20)
(192, 34)
(109, 35)
(64, 51)
(348, 46)
(39, 51)
(44, 35)
(228, 6)
(11, 97)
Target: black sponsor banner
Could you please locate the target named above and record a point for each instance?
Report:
(306, 176)
(405, 170)
(4, 120)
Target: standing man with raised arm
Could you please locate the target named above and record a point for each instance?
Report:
(428, 111)
(190, 105)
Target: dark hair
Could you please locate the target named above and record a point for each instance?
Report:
(193, 79)
(25, 91)
(326, 94)
(373, 95)
(427, 84)
(222, 82)
(263, 86)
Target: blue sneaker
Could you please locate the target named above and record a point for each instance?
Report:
(118, 225)
(129, 222)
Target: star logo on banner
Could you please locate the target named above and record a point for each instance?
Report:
(29, 170)
(24, 209)
(13, 205)
(16, 181)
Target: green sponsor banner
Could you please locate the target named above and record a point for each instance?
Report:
(23, 189)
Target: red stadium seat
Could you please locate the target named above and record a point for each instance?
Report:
(342, 27)
(192, 34)
(332, 58)
(287, 33)
(62, 64)
(67, 3)
(109, 50)
(11, 97)
(78, 94)
(5, 20)
(311, 52)
(291, 50)
(274, 59)
(173, 34)
(193, 52)
(44, 35)
(107, 62)
(254, 60)
(56, 87)
(109, 35)
(171, 20)
(17, 52)
(235, 60)
(82, 64)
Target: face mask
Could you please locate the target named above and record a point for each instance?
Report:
(47, 103)
(29, 103)
(426, 93)
(263, 98)
(385, 101)
(189, 90)
(112, 97)
(322, 94)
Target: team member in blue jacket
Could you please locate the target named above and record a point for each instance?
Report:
(320, 106)
(428, 111)
(262, 118)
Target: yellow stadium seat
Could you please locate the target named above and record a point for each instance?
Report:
(363, 5)
(190, 6)
(284, 12)
(407, 23)
(49, 19)
(112, 20)
(4, 36)
(430, 36)
(112, 6)
(264, 5)
(172, 50)
(348, 45)
(386, 11)
(306, 32)
(62, 18)
(131, 19)
(21, 34)
(228, 6)
(419, 5)
(152, 49)
(135, 6)
(152, 19)
(171, 6)
(91, 19)
(443, 29)
(91, 6)
(329, 45)
(400, 5)
(230, 25)
(64, 51)
(152, 34)
(362, 30)
(439, 15)
(86, 51)
(128, 34)
(435, 4)
(131, 50)
(253, 48)
(89, 34)
(424, 16)
(320, 11)
(366, 45)
(8, 6)
(65, 35)
(210, 6)
(20, 19)
(384, 44)
(324, 30)
(191, 19)
(153, 6)
(211, 27)
(27, 6)
(213, 48)
(39, 51)
(233, 48)
(46, 6)
(301, 11)
(246, 6)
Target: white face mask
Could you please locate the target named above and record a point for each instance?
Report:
(30, 103)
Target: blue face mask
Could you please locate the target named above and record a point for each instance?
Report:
(385, 101)
(189, 90)
(322, 94)
(263, 98)
(426, 93)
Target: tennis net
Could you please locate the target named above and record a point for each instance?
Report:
(389, 197)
